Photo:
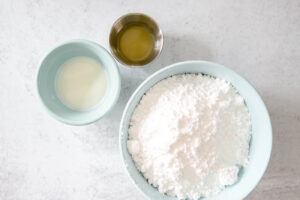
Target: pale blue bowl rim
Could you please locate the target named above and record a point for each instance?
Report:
(89, 43)
(167, 68)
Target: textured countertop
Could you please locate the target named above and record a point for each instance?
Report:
(43, 159)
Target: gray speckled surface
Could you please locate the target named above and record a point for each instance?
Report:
(42, 159)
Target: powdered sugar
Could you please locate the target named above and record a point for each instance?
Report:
(190, 135)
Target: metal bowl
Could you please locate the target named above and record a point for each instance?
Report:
(135, 18)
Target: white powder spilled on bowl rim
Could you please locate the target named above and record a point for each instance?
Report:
(189, 135)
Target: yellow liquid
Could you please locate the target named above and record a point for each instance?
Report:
(136, 42)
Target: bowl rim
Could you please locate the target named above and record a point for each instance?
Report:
(135, 65)
(118, 79)
(168, 68)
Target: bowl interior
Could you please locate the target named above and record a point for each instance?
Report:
(135, 18)
(47, 75)
(261, 141)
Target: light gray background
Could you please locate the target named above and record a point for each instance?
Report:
(42, 159)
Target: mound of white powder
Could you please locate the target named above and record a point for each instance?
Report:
(190, 135)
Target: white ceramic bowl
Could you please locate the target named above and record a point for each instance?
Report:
(260, 144)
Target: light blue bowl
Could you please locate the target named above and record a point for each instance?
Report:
(47, 74)
(260, 145)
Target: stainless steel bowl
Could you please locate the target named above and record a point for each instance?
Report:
(135, 18)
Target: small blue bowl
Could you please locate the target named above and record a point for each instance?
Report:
(47, 74)
(260, 145)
